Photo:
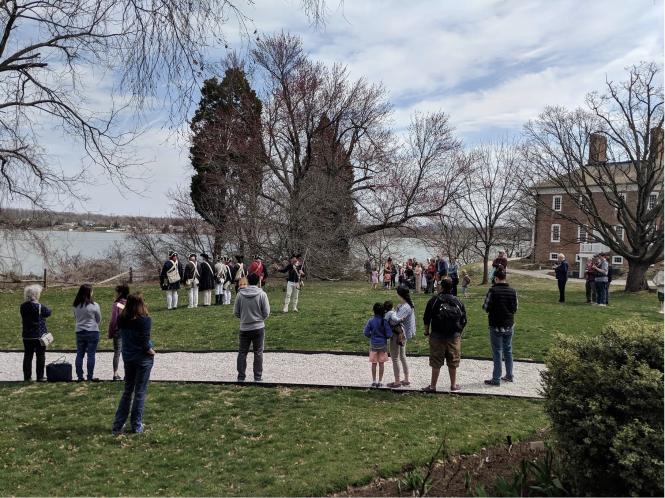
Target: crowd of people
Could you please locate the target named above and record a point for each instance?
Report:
(388, 331)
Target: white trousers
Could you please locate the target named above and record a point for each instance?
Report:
(193, 296)
(171, 299)
(292, 289)
(207, 294)
(227, 297)
(219, 289)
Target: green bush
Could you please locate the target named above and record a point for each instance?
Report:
(604, 396)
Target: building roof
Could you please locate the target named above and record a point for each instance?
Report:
(623, 174)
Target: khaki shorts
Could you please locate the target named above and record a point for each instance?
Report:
(445, 351)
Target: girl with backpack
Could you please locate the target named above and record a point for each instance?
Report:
(379, 332)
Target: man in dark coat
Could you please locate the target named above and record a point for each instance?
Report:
(169, 279)
(207, 281)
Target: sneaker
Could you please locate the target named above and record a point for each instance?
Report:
(138, 429)
(94, 379)
(455, 388)
(285, 310)
(41, 380)
(378, 384)
(374, 384)
(428, 389)
(505, 378)
(241, 379)
(258, 379)
(295, 310)
(116, 377)
(492, 382)
(116, 432)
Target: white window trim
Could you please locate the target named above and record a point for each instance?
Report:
(554, 198)
(623, 232)
(617, 260)
(556, 256)
(649, 206)
(552, 233)
(577, 258)
(579, 234)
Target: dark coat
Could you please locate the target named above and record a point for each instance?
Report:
(191, 271)
(34, 325)
(163, 279)
(207, 278)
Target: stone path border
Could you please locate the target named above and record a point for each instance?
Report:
(298, 369)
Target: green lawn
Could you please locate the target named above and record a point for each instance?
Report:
(225, 440)
(333, 315)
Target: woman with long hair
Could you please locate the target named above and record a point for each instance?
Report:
(406, 317)
(138, 355)
(121, 293)
(88, 317)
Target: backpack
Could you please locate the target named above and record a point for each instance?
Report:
(449, 315)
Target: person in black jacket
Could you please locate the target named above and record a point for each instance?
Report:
(501, 306)
(33, 315)
(169, 279)
(447, 317)
(294, 275)
(207, 282)
(561, 272)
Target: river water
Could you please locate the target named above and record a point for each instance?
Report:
(20, 252)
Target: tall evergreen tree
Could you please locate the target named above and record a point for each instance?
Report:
(226, 156)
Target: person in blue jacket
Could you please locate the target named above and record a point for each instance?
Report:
(379, 332)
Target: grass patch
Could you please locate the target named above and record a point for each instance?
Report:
(333, 315)
(225, 440)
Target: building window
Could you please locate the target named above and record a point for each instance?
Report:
(619, 231)
(653, 199)
(582, 234)
(617, 260)
(556, 203)
(554, 256)
(556, 233)
(622, 196)
(578, 258)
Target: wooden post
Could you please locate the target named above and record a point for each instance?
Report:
(44, 280)
(131, 275)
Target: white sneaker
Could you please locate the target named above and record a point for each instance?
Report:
(295, 310)
(285, 310)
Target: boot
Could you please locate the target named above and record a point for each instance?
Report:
(218, 299)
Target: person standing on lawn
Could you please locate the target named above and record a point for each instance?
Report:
(191, 277)
(590, 284)
(405, 317)
(121, 293)
(501, 306)
(608, 258)
(445, 319)
(207, 282)
(253, 308)
(453, 274)
(379, 332)
(500, 260)
(138, 356)
(169, 279)
(466, 281)
(257, 266)
(33, 318)
(88, 317)
(659, 282)
(294, 275)
(418, 271)
(601, 268)
(561, 272)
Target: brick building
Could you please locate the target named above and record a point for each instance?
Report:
(554, 233)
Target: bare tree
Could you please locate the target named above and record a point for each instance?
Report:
(629, 115)
(489, 193)
(452, 236)
(50, 48)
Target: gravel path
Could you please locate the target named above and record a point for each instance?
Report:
(308, 369)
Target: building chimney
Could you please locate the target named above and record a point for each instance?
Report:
(656, 146)
(597, 148)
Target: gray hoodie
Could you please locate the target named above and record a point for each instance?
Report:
(252, 307)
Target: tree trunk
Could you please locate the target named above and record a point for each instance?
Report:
(636, 280)
(486, 258)
(218, 244)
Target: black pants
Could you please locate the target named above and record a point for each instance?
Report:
(455, 281)
(32, 346)
(562, 290)
(590, 288)
(249, 338)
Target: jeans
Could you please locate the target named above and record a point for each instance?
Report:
(601, 292)
(501, 340)
(398, 355)
(562, 290)
(137, 376)
(117, 347)
(255, 338)
(30, 347)
(590, 288)
(86, 343)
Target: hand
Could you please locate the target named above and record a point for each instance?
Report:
(151, 352)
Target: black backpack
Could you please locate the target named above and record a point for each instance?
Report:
(449, 315)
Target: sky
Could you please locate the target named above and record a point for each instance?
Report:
(491, 65)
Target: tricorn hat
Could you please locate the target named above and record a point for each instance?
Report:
(239, 258)
(204, 255)
(191, 254)
(172, 253)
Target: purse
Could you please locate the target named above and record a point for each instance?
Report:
(46, 338)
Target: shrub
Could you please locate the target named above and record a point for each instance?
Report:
(604, 396)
